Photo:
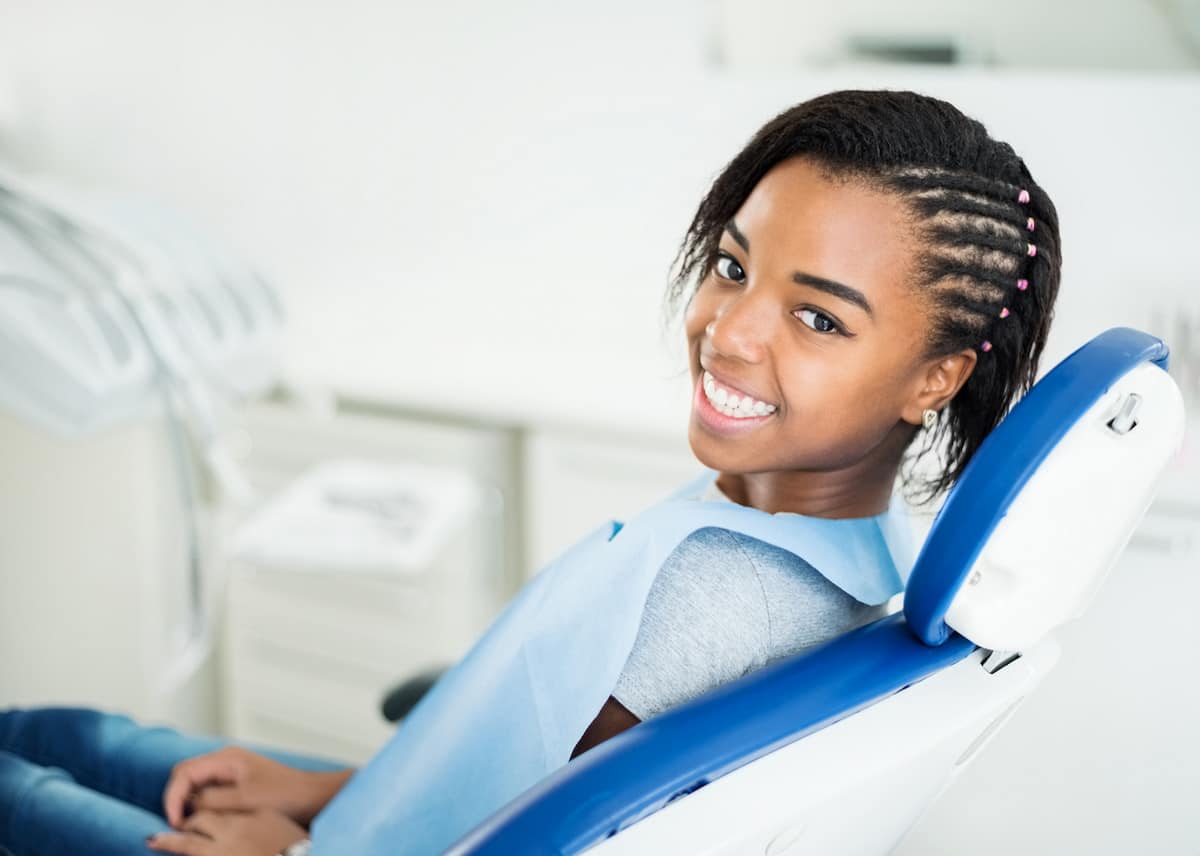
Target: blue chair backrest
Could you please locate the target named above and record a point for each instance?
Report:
(1060, 434)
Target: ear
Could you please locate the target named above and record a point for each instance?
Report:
(937, 382)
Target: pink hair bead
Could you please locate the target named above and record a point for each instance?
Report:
(1004, 312)
(1029, 224)
(1023, 197)
(1032, 251)
(986, 346)
(1022, 284)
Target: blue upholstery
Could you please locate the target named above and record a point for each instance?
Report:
(640, 770)
(1004, 463)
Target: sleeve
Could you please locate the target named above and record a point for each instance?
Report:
(705, 623)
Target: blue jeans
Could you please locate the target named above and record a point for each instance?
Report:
(75, 781)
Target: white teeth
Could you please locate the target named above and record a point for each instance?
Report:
(732, 404)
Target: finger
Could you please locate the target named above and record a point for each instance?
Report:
(191, 774)
(220, 798)
(206, 823)
(181, 844)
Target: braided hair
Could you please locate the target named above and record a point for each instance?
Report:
(990, 259)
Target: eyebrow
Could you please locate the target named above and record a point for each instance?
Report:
(829, 286)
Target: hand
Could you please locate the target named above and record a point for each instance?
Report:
(210, 833)
(236, 779)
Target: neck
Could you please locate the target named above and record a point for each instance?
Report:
(812, 497)
(863, 489)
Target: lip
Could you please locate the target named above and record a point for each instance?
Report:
(716, 422)
(738, 388)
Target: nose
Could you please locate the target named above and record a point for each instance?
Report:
(742, 327)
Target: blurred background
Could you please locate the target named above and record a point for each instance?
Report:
(323, 326)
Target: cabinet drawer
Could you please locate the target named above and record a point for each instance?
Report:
(324, 712)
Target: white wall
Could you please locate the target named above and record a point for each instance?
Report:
(1109, 34)
(523, 173)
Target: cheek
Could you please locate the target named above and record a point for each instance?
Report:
(819, 382)
(840, 399)
(699, 312)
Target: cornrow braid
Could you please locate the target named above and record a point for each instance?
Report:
(990, 257)
(982, 252)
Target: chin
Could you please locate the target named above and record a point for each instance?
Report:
(702, 448)
(715, 454)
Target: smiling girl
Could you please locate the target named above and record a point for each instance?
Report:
(872, 268)
(871, 264)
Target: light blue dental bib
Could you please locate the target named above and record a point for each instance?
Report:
(512, 710)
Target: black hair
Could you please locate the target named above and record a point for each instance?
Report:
(973, 201)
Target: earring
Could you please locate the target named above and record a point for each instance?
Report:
(929, 418)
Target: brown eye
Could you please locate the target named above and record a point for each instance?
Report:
(818, 321)
(728, 268)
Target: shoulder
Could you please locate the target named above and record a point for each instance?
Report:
(804, 608)
(704, 623)
(710, 577)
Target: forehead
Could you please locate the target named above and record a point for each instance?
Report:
(799, 218)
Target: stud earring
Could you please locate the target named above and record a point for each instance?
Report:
(929, 418)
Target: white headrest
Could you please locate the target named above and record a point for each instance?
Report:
(1062, 534)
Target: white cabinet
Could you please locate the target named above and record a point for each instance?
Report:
(575, 481)
(310, 653)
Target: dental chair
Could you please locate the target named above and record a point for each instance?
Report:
(839, 750)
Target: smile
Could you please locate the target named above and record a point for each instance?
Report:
(733, 403)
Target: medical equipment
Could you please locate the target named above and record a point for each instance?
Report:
(120, 329)
(840, 749)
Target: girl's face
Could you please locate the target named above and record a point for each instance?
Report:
(806, 338)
